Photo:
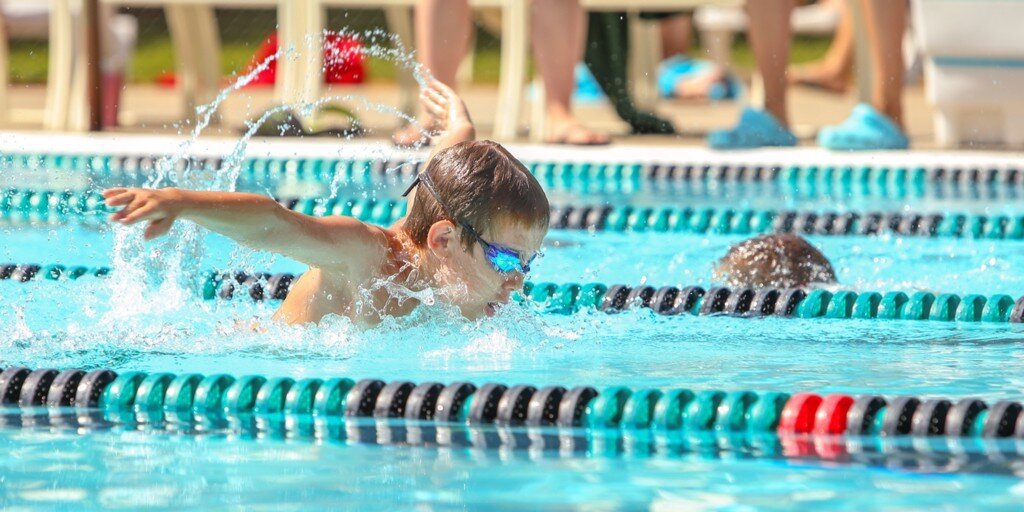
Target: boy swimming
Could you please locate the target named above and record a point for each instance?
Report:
(476, 221)
(774, 261)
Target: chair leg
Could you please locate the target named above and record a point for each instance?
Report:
(514, 37)
(399, 19)
(207, 55)
(645, 47)
(61, 66)
(312, 20)
(291, 69)
(179, 21)
(719, 45)
(77, 117)
(946, 128)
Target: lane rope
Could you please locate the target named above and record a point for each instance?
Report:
(616, 407)
(346, 170)
(58, 206)
(567, 298)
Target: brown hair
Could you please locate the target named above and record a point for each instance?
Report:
(780, 261)
(479, 182)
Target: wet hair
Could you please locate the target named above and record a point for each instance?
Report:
(481, 184)
(774, 261)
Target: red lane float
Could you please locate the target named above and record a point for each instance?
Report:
(831, 416)
(799, 414)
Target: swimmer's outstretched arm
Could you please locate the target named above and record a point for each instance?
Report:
(256, 221)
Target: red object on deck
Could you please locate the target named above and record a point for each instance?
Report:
(344, 61)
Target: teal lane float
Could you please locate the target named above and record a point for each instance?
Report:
(665, 300)
(671, 410)
(49, 206)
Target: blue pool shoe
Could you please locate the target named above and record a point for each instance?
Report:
(755, 129)
(865, 129)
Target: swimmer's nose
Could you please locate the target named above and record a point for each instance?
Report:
(514, 281)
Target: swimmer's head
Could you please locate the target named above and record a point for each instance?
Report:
(774, 261)
(480, 217)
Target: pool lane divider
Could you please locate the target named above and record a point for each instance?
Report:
(45, 205)
(616, 407)
(135, 168)
(566, 298)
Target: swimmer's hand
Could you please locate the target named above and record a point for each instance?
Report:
(160, 207)
(449, 113)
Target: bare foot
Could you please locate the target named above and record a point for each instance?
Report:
(575, 134)
(819, 76)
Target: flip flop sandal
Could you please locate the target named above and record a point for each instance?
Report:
(755, 129)
(866, 129)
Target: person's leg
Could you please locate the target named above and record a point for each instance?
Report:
(676, 32)
(443, 29)
(886, 20)
(558, 35)
(879, 125)
(769, 33)
(833, 71)
(770, 37)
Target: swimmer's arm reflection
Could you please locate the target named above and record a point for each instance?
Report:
(253, 220)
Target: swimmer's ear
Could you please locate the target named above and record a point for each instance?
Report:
(442, 238)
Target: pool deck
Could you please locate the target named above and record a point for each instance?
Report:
(150, 109)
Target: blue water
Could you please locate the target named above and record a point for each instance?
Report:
(124, 323)
(119, 470)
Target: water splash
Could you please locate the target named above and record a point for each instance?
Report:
(158, 276)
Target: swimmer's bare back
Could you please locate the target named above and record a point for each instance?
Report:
(320, 292)
(315, 295)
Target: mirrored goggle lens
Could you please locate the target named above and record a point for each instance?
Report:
(505, 261)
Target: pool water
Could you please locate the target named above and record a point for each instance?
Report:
(138, 321)
(862, 263)
(127, 470)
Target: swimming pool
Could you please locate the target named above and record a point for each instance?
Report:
(136, 319)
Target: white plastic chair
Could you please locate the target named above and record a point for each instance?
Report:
(514, 26)
(193, 28)
(973, 77)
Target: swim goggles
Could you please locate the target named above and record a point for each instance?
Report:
(503, 259)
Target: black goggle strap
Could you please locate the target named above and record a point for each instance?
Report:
(424, 178)
(411, 186)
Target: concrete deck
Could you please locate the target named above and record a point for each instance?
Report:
(158, 110)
